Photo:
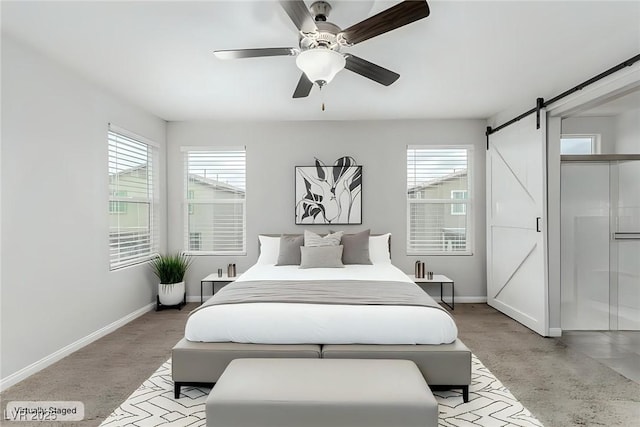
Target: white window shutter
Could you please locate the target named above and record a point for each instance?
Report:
(438, 200)
(215, 201)
(133, 222)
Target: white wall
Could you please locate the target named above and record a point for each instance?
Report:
(603, 126)
(274, 149)
(56, 286)
(627, 127)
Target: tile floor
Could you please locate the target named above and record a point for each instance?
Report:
(619, 350)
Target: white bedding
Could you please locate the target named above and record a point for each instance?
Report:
(288, 323)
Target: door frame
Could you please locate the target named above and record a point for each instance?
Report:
(617, 84)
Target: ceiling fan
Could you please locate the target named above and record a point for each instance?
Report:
(319, 53)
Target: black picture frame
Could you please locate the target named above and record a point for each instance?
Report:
(328, 195)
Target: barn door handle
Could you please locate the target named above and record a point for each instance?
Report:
(538, 224)
(626, 235)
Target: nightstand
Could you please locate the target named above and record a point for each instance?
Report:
(437, 278)
(213, 278)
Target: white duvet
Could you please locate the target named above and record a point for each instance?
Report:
(289, 323)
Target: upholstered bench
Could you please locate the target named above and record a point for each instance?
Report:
(321, 392)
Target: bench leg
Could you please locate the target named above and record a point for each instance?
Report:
(177, 385)
(464, 388)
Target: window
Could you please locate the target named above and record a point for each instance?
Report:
(458, 208)
(215, 186)
(579, 144)
(436, 177)
(190, 195)
(116, 207)
(132, 207)
(195, 241)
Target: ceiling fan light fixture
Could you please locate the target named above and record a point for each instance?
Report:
(320, 65)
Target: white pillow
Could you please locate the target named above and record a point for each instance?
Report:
(379, 249)
(269, 250)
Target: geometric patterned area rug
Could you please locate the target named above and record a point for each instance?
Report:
(490, 404)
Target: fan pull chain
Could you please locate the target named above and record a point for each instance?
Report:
(322, 98)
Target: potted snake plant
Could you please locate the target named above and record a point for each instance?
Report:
(171, 270)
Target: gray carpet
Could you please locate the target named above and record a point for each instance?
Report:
(561, 387)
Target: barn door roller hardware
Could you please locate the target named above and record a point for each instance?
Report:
(540, 103)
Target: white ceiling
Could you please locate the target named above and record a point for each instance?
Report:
(468, 59)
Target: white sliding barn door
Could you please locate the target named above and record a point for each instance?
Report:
(516, 232)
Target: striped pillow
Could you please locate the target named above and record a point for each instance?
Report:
(313, 239)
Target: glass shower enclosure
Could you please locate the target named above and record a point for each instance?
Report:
(600, 242)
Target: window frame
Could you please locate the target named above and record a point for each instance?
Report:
(189, 201)
(119, 197)
(195, 237)
(117, 205)
(596, 145)
(468, 202)
(465, 193)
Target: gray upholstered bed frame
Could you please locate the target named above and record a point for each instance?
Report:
(444, 366)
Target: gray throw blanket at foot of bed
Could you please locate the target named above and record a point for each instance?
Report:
(343, 292)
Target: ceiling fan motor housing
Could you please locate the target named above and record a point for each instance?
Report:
(326, 36)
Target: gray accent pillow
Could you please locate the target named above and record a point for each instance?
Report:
(290, 249)
(313, 239)
(356, 248)
(321, 257)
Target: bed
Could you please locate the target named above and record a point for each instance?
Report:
(359, 311)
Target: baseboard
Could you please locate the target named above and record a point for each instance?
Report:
(555, 332)
(26, 372)
(196, 298)
(469, 300)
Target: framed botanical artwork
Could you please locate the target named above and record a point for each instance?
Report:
(329, 194)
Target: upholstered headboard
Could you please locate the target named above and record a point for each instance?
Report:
(293, 234)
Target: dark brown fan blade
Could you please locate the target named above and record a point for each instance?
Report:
(255, 53)
(370, 70)
(304, 87)
(300, 15)
(395, 17)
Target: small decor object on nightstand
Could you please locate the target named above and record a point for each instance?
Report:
(171, 270)
(420, 267)
(231, 270)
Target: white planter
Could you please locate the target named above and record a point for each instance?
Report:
(172, 294)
